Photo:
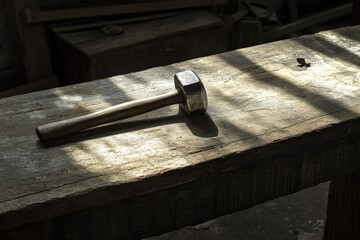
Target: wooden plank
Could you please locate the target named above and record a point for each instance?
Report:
(73, 26)
(306, 22)
(35, 15)
(89, 55)
(157, 53)
(343, 208)
(272, 128)
(94, 42)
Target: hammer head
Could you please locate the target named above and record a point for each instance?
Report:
(193, 92)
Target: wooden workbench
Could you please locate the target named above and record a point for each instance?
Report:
(272, 128)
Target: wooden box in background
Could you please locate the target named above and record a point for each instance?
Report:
(89, 54)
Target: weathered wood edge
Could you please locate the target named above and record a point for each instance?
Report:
(313, 157)
(208, 197)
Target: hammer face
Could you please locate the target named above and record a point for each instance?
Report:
(193, 92)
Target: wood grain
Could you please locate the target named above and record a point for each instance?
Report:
(272, 128)
(343, 208)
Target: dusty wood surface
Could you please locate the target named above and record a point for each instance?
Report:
(272, 128)
(343, 215)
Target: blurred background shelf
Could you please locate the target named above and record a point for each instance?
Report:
(52, 39)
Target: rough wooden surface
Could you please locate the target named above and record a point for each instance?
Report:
(272, 128)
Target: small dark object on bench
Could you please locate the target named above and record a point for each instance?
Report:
(302, 62)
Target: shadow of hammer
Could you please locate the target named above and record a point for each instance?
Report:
(189, 92)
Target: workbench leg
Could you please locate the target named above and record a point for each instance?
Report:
(343, 214)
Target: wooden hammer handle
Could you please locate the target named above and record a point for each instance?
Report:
(66, 127)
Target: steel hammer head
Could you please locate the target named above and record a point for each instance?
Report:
(193, 91)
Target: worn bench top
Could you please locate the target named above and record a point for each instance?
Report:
(267, 120)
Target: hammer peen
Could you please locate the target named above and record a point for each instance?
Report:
(189, 92)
